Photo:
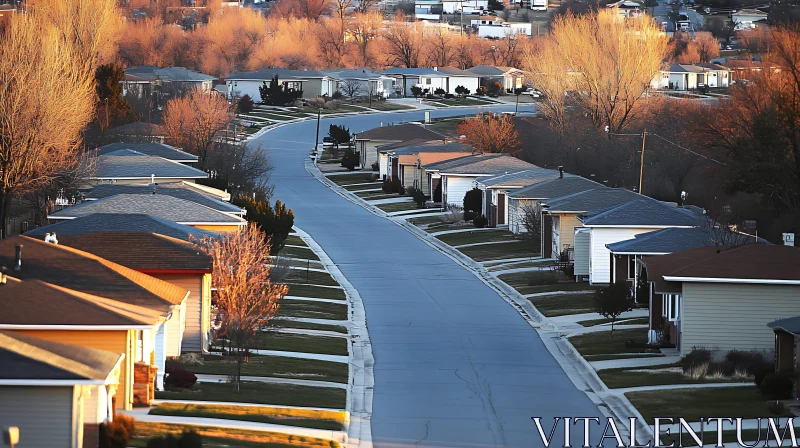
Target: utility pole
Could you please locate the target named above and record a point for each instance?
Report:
(316, 141)
(641, 163)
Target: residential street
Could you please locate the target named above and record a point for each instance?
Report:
(455, 365)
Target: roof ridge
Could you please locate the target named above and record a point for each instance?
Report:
(130, 311)
(30, 351)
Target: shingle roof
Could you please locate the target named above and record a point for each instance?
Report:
(520, 179)
(399, 132)
(121, 222)
(642, 212)
(88, 273)
(554, 188)
(353, 74)
(158, 205)
(178, 190)
(283, 74)
(430, 146)
(412, 71)
(152, 73)
(149, 149)
(455, 71)
(480, 164)
(584, 201)
(145, 252)
(127, 164)
(789, 325)
(28, 358)
(431, 157)
(676, 239)
(34, 302)
(489, 70)
(685, 68)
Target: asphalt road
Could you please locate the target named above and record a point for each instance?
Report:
(455, 366)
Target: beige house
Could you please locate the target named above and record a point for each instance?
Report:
(403, 161)
(367, 142)
(723, 299)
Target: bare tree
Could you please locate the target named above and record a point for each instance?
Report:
(546, 69)
(403, 44)
(331, 36)
(531, 220)
(364, 28)
(351, 88)
(194, 122)
(494, 134)
(365, 6)
(439, 48)
(247, 296)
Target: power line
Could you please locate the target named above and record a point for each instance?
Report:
(671, 143)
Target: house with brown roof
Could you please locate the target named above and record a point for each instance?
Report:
(56, 394)
(367, 142)
(147, 303)
(723, 299)
(403, 161)
(173, 260)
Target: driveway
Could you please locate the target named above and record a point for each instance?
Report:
(455, 365)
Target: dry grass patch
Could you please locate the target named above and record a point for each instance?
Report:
(228, 437)
(304, 418)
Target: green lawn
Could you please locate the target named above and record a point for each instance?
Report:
(693, 404)
(478, 236)
(485, 252)
(542, 281)
(311, 277)
(369, 186)
(274, 366)
(605, 345)
(315, 292)
(563, 304)
(375, 195)
(385, 105)
(299, 252)
(525, 264)
(262, 393)
(651, 376)
(593, 322)
(312, 310)
(289, 342)
(464, 102)
(272, 117)
(344, 179)
(304, 418)
(295, 240)
(283, 323)
(227, 437)
(397, 206)
(424, 220)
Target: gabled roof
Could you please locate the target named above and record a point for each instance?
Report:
(426, 158)
(283, 75)
(430, 146)
(34, 303)
(128, 164)
(584, 201)
(749, 263)
(399, 132)
(354, 74)
(149, 149)
(519, 179)
(676, 239)
(480, 165)
(642, 212)
(711, 66)
(399, 71)
(491, 70)
(789, 325)
(158, 205)
(685, 68)
(172, 74)
(557, 187)
(28, 358)
(121, 222)
(150, 253)
(455, 71)
(180, 190)
(81, 271)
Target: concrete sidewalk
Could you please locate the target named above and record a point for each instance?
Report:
(203, 378)
(634, 362)
(317, 356)
(156, 402)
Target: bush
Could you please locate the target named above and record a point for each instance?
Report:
(762, 373)
(246, 104)
(316, 102)
(777, 386)
(393, 186)
(332, 105)
(117, 433)
(417, 195)
(188, 439)
(351, 159)
(469, 216)
(276, 222)
(473, 201)
(480, 221)
(339, 134)
(439, 91)
(179, 379)
(375, 166)
(480, 91)
(695, 357)
(568, 270)
(749, 362)
(437, 193)
(336, 95)
(417, 91)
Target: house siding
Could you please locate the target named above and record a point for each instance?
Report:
(408, 175)
(383, 166)
(457, 188)
(567, 233)
(515, 213)
(600, 263)
(555, 229)
(728, 317)
(42, 414)
(192, 306)
(582, 241)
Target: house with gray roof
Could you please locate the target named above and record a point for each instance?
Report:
(496, 189)
(121, 222)
(458, 77)
(406, 78)
(509, 77)
(161, 206)
(522, 199)
(181, 190)
(125, 166)
(457, 176)
(361, 83)
(609, 225)
(367, 142)
(311, 82)
(150, 149)
(143, 80)
(691, 76)
(403, 162)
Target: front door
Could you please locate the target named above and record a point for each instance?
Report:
(395, 168)
(501, 209)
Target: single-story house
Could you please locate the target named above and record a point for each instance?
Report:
(748, 15)
(532, 195)
(173, 260)
(428, 9)
(457, 77)
(742, 69)
(406, 78)
(457, 176)
(496, 190)
(691, 76)
(56, 394)
(507, 30)
(149, 149)
(158, 205)
(403, 162)
(368, 141)
(188, 191)
(126, 166)
(723, 299)
(136, 132)
(121, 222)
(465, 6)
(143, 80)
(312, 83)
(622, 222)
(361, 83)
(509, 77)
(716, 75)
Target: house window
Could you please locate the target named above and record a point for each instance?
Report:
(428, 81)
(631, 267)
(674, 303)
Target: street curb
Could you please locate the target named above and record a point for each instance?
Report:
(358, 430)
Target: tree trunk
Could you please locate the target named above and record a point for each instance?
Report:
(5, 203)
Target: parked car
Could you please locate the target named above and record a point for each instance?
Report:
(328, 142)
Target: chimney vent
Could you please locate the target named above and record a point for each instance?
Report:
(18, 258)
(152, 178)
(788, 239)
(561, 172)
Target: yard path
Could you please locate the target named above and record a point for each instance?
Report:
(472, 229)
(625, 390)
(558, 293)
(518, 270)
(314, 321)
(314, 299)
(575, 318)
(204, 378)
(318, 356)
(634, 362)
(455, 365)
(309, 332)
(580, 329)
(484, 243)
(389, 201)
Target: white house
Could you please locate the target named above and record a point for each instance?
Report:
(748, 16)
(428, 9)
(311, 83)
(146, 79)
(465, 6)
(457, 77)
(691, 76)
(361, 83)
(504, 31)
(508, 77)
(406, 78)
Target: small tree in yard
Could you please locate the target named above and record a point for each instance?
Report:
(613, 300)
(417, 91)
(245, 104)
(532, 223)
(439, 91)
(351, 159)
(417, 195)
(247, 298)
(494, 134)
(339, 133)
(277, 94)
(473, 201)
(276, 223)
(462, 91)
